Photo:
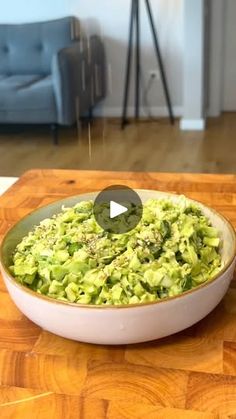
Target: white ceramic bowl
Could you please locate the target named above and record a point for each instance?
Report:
(119, 324)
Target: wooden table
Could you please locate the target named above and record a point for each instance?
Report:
(189, 375)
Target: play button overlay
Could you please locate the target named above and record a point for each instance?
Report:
(118, 209)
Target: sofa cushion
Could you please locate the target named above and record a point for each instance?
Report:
(27, 99)
(29, 48)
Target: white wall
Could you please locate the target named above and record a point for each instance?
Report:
(229, 57)
(216, 63)
(194, 71)
(111, 18)
(222, 94)
(18, 11)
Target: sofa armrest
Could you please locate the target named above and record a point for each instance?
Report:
(70, 71)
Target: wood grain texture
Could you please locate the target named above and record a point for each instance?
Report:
(149, 145)
(189, 375)
(180, 351)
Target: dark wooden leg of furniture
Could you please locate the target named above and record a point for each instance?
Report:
(124, 121)
(54, 129)
(91, 116)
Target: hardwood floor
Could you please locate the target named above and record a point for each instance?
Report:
(146, 146)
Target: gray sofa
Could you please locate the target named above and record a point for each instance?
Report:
(49, 73)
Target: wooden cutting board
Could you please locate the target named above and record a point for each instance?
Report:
(189, 375)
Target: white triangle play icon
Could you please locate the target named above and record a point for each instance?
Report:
(116, 209)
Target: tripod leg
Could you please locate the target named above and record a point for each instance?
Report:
(159, 58)
(137, 84)
(128, 69)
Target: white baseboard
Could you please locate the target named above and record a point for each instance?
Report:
(116, 112)
(192, 124)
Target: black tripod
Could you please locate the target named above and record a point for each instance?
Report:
(135, 19)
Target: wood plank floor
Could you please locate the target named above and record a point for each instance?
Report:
(146, 146)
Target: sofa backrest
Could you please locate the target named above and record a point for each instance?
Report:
(29, 48)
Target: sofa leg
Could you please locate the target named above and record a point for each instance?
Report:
(91, 116)
(54, 130)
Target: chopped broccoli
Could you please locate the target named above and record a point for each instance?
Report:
(69, 257)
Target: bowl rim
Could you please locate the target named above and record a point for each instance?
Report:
(45, 298)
